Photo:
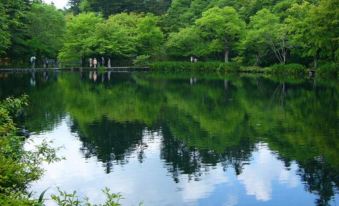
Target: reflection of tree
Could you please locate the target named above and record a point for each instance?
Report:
(110, 141)
(184, 159)
(320, 178)
(190, 150)
(295, 124)
(45, 98)
(207, 123)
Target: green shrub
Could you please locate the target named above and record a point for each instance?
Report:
(328, 69)
(142, 60)
(198, 66)
(252, 69)
(287, 69)
(68, 199)
(18, 167)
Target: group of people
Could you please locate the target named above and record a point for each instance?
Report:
(94, 63)
(194, 60)
(46, 62)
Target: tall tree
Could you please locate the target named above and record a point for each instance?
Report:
(222, 28)
(173, 20)
(16, 12)
(149, 36)
(78, 42)
(326, 18)
(46, 29)
(301, 28)
(187, 42)
(265, 29)
(74, 6)
(116, 36)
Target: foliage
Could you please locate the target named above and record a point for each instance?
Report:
(14, 14)
(142, 60)
(199, 66)
(328, 69)
(116, 36)
(288, 69)
(107, 7)
(120, 36)
(5, 37)
(149, 36)
(46, 29)
(221, 28)
(267, 31)
(79, 36)
(259, 33)
(72, 199)
(187, 42)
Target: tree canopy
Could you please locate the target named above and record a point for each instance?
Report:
(255, 32)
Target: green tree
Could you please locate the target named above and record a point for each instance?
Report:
(149, 36)
(186, 42)
(116, 36)
(313, 29)
(5, 38)
(78, 41)
(222, 28)
(16, 13)
(109, 7)
(301, 29)
(74, 6)
(253, 46)
(265, 29)
(326, 18)
(173, 20)
(46, 29)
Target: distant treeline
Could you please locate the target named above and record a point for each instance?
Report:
(249, 32)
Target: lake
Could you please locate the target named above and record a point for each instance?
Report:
(185, 139)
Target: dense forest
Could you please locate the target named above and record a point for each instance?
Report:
(248, 32)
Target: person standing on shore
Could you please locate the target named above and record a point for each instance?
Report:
(32, 60)
(109, 63)
(103, 61)
(95, 62)
(90, 62)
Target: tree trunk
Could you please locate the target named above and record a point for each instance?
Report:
(284, 56)
(315, 62)
(225, 85)
(257, 59)
(316, 59)
(226, 54)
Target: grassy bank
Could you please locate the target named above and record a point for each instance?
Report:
(329, 69)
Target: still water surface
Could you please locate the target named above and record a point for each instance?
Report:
(185, 139)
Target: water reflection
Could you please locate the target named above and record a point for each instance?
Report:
(199, 140)
(111, 142)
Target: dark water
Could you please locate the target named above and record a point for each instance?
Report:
(186, 139)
